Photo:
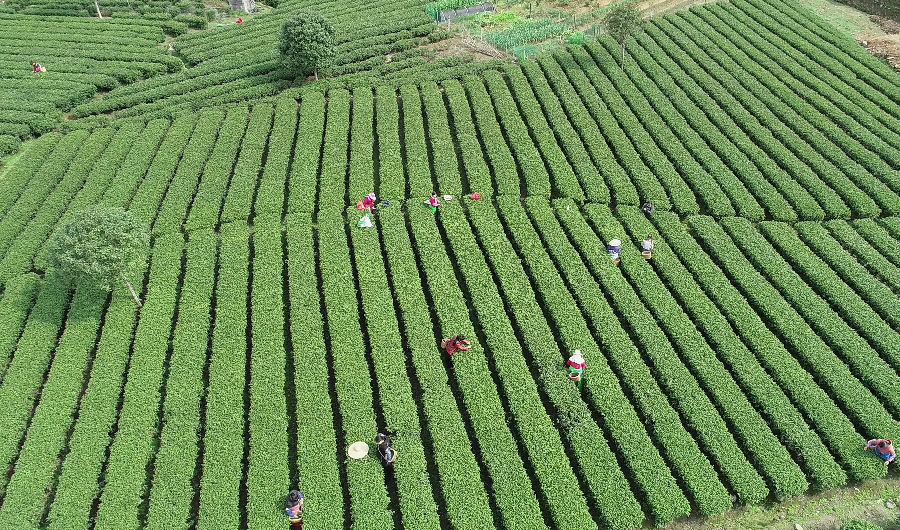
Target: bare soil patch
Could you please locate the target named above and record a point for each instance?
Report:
(886, 47)
(464, 44)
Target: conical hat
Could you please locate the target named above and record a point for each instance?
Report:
(358, 450)
(615, 243)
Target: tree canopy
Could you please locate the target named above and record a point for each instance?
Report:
(623, 21)
(99, 246)
(306, 43)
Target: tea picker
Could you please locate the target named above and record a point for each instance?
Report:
(576, 365)
(647, 247)
(454, 344)
(385, 452)
(613, 249)
(433, 202)
(883, 449)
(293, 508)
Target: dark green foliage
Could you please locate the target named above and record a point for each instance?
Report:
(621, 22)
(306, 43)
(99, 245)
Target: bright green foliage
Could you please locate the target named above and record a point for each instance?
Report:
(786, 421)
(833, 330)
(222, 469)
(270, 194)
(825, 417)
(558, 486)
(497, 153)
(173, 491)
(14, 308)
(418, 170)
(239, 198)
(207, 202)
(9, 144)
(353, 379)
(306, 43)
(829, 369)
(307, 152)
(78, 481)
(132, 449)
(24, 375)
(462, 491)
(267, 461)
(622, 22)
(525, 32)
(317, 477)
(683, 199)
(516, 500)
(172, 209)
(361, 175)
(417, 505)
(99, 246)
(24, 502)
(748, 360)
(81, 56)
(446, 166)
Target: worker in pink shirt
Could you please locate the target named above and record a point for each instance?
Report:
(576, 365)
(883, 448)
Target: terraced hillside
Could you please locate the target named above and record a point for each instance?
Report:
(377, 43)
(81, 55)
(749, 360)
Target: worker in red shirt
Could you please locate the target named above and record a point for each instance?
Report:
(293, 507)
(454, 344)
(883, 448)
(576, 365)
(369, 202)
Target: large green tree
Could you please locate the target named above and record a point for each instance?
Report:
(623, 21)
(306, 43)
(98, 247)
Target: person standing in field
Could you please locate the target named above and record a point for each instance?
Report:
(454, 344)
(648, 208)
(613, 249)
(293, 507)
(576, 365)
(385, 452)
(369, 202)
(883, 448)
(433, 202)
(647, 247)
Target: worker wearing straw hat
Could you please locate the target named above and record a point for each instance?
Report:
(647, 247)
(614, 248)
(576, 365)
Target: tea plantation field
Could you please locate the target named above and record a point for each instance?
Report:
(747, 362)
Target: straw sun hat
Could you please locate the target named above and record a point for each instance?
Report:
(358, 450)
